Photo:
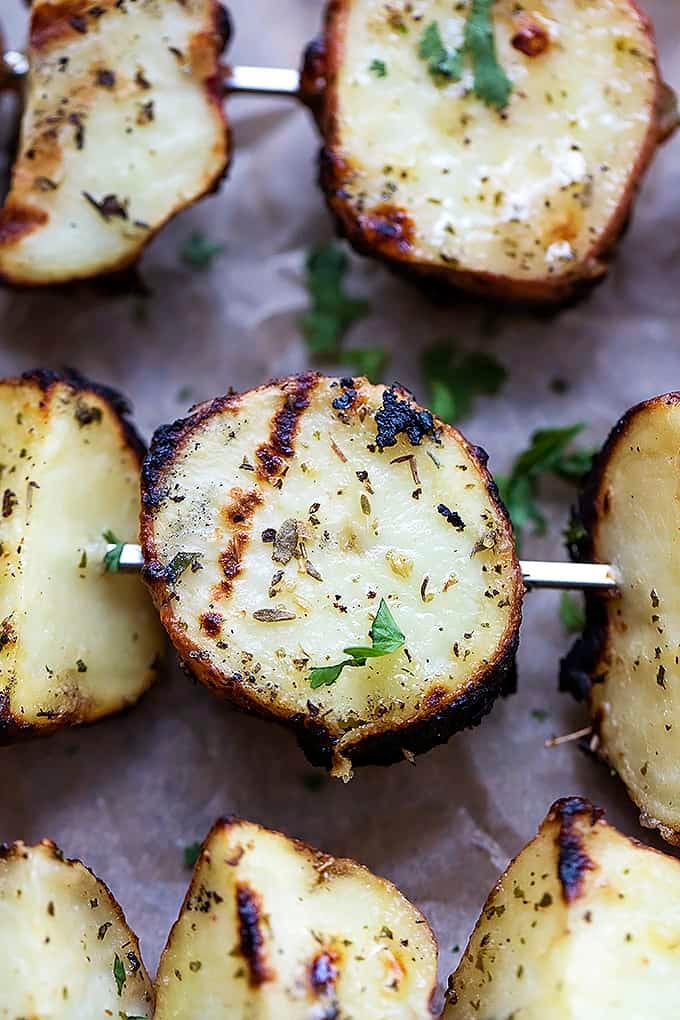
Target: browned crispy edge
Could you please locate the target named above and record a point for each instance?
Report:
(585, 663)
(435, 726)
(387, 231)
(325, 864)
(10, 851)
(49, 28)
(13, 728)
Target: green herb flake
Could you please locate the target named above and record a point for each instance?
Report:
(572, 613)
(378, 68)
(442, 63)
(112, 557)
(492, 85)
(180, 562)
(332, 311)
(548, 453)
(190, 855)
(455, 381)
(539, 714)
(386, 638)
(200, 252)
(119, 973)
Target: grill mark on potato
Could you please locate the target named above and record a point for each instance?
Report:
(55, 23)
(323, 971)
(272, 456)
(211, 623)
(242, 507)
(230, 561)
(573, 862)
(17, 221)
(251, 938)
(388, 229)
(237, 514)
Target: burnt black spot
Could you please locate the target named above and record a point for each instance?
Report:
(211, 624)
(573, 861)
(323, 972)
(108, 208)
(398, 416)
(9, 501)
(452, 517)
(105, 78)
(251, 939)
(346, 400)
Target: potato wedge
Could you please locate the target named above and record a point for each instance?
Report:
(584, 923)
(626, 663)
(67, 951)
(123, 128)
(275, 526)
(274, 929)
(523, 202)
(76, 643)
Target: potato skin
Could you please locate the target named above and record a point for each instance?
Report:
(580, 668)
(381, 746)
(50, 27)
(387, 232)
(14, 727)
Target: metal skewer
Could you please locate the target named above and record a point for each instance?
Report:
(567, 576)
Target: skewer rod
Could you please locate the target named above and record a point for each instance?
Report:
(567, 576)
(263, 81)
(13, 69)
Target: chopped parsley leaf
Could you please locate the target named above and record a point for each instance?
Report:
(442, 63)
(378, 68)
(386, 638)
(332, 310)
(200, 252)
(492, 84)
(190, 855)
(455, 381)
(119, 973)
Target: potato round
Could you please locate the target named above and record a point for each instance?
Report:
(123, 127)
(76, 643)
(274, 525)
(626, 663)
(584, 923)
(67, 950)
(274, 929)
(523, 202)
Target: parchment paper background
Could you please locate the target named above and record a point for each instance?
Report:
(127, 795)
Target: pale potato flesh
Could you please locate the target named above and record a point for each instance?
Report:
(527, 195)
(273, 930)
(122, 110)
(61, 933)
(607, 949)
(76, 643)
(370, 529)
(636, 698)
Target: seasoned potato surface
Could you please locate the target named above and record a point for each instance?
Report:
(279, 527)
(273, 929)
(123, 127)
(76, 643)
(521, 199)
(584, 923)
(67, 952)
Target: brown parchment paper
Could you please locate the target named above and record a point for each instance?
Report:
(127, 795)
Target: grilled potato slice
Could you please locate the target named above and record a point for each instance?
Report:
(123, 127)
(584, 923)
(278, 525)
(626, 663)
(523, 202)
(76, 643)
(67, 951)
(274, 929)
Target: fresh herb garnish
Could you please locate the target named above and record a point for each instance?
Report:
(190, 855)
(200, 252)
(179, 563)
(119, 973)
(491, 84)
(386, 638)
(455, 381)
(112, 557)
(548, 453)
(442, 63)
(332, 310)
(378, 68)
(572, 614)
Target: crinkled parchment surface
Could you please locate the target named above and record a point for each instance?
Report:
(128, 794)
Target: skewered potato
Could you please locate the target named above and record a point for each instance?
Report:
(123, 127)
(67, 951)
(505, 169)
(76, 643)
(584, 923)
(626, 663)
(328, 554)
(273, 928)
